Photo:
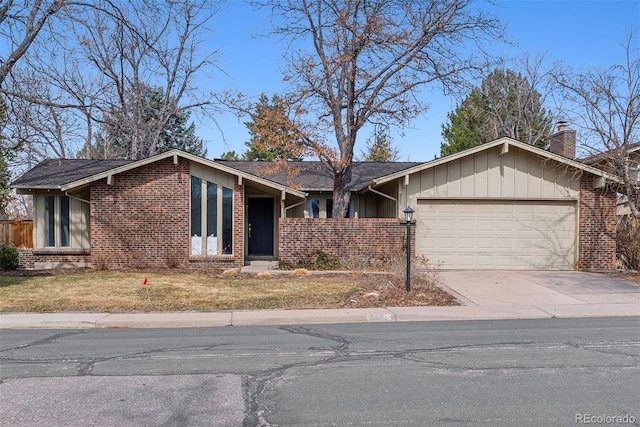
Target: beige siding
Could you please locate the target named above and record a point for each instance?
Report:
(487, 174)
(497, 234)
(212, 175)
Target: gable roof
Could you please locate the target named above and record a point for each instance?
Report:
(504, 142)
(595, 158)
(60, 174)
(315, 176)
(52, 173)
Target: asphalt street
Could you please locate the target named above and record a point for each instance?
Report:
(495, 373)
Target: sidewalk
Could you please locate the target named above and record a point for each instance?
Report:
(490, 295)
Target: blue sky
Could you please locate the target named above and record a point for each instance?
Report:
(581, 33)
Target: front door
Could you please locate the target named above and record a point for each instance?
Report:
(260, 227)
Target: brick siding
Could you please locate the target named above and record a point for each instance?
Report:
(46, 258)
(142, 220)
(598, 227)
(373, 240)
(25, 258)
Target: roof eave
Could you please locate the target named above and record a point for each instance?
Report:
(185, 155)
(489, 145)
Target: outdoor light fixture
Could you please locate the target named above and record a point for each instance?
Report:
(408, 216)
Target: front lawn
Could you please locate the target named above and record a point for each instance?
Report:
(103, 291)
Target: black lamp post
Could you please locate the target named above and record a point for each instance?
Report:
(408, 216)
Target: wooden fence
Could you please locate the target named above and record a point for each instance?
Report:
(16, 233)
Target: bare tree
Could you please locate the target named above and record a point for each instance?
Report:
(20, 24)
(353, 62)
(100, 59)
(605, 105)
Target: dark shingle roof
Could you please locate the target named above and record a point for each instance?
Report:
(594, 158)
(299, 175)
(308, 176)
(53, 173)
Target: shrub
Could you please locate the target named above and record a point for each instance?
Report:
(9, 257)
(628, 242)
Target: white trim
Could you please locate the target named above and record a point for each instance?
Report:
(490, 145)
(188, 156)
(380, 193)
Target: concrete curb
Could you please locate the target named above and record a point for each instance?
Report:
(291, 317)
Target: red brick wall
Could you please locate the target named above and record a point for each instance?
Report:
(598, 227)
(25, 258)
(142, 220)
(377, 239)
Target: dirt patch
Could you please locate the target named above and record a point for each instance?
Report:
(390, 291)
(633, 276)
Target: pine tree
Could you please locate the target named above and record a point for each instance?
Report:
(505, 104)
(273, 135)
(380, 147)
(149, 124)
(5, 173)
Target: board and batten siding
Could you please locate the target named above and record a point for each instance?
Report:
(487, 174)
(496, 211)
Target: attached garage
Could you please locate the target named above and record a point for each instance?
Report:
(497, 234)
(512, 206)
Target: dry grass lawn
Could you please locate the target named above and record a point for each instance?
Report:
(103, 291)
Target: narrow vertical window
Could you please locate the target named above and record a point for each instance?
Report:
(314, 208)
(329, 208)
(227, 221)
(64, 222)
(196, 216)
(49, 220)
(212, 219)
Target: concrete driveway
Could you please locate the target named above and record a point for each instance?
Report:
(539, 288)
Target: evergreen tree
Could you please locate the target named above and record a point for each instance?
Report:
(505, 104)
(230, 155)
(273, 135)
(5, 173)
(149, 124)
(380, 147)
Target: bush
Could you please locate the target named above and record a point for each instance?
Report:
(9, 257)
(317, 260)
(628, 242)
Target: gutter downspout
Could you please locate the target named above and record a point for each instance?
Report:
(381, 194)
(66, 193)
(293, 206)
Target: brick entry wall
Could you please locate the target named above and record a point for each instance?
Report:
(598, 227)
(142, 220)
(372, 240)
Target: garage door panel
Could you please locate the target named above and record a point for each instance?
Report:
(497, 234)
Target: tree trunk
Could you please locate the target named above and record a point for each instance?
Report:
(341, 192)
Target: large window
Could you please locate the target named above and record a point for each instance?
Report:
(211, 213)
(57, 221)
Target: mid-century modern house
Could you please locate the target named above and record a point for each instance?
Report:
(500, 205)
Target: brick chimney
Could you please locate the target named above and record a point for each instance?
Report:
(563, 142)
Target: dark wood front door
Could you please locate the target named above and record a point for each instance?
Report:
(260, 227)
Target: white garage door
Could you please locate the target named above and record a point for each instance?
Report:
(496, 234)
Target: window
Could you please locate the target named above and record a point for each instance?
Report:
(50, 220)
(314, 208)
(212, 219)
(227, 220)
(57, 222)
(329, 208)
(64, 222)
(211, 212)
(196, 216)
